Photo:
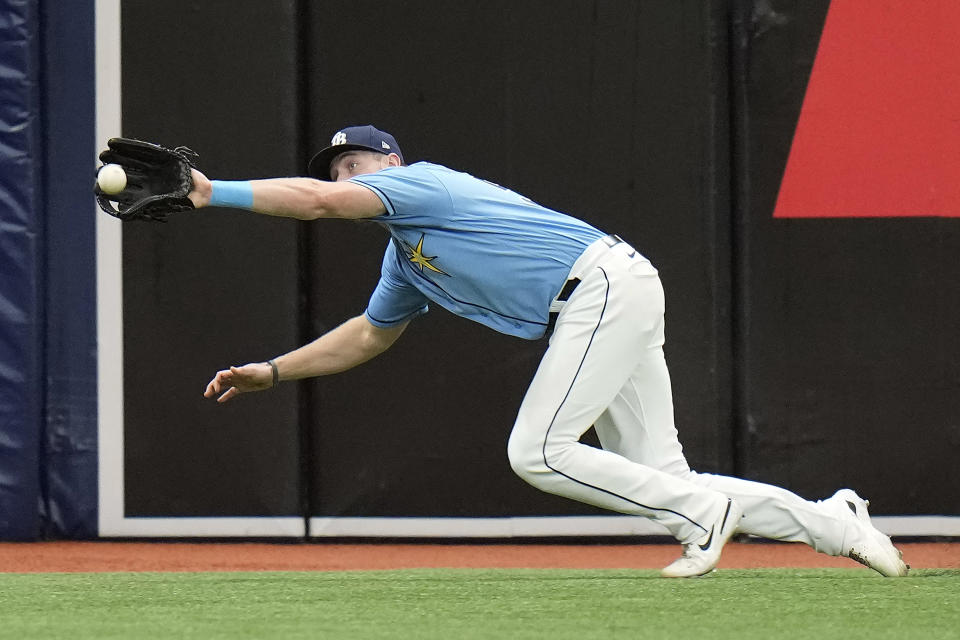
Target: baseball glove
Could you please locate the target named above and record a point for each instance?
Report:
(158, 180)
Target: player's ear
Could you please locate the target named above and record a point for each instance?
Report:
(393, 160)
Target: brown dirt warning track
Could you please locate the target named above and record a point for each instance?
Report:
(34, 557)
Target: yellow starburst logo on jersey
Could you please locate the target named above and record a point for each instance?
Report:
(416, 257)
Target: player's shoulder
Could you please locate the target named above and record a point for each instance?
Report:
(423, 179)
(416, 172)
(426, 176)
(436, 171)
(443, 175)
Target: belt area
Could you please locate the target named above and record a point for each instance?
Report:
(570, 285)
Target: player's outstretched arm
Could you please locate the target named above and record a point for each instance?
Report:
(300, 198)
(350, 344)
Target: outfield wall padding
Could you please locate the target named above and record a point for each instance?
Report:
(69, 443)
(21, 260)
(809, 347)
(848, 353)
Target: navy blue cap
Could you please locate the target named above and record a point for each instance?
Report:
(363, 138)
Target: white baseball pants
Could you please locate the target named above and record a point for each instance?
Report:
(605, 367)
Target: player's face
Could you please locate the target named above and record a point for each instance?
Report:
(357, 163)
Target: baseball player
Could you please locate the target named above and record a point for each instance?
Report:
(491, 255)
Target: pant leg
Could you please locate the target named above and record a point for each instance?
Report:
(639, 422)
(612, 325)
(639, 425)
(778, 514)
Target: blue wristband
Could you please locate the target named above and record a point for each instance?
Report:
(232, 193)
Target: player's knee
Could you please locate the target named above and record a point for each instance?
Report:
(524, 454)
(536, 458)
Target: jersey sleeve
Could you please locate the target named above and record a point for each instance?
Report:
(395, 300)
(408, 193)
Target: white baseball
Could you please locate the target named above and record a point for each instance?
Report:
(112, 178)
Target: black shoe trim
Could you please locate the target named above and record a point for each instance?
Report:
(726, 514)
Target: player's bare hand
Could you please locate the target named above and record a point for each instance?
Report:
(232, 382)
(202, 189)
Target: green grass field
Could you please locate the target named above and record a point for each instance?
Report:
(461, 604)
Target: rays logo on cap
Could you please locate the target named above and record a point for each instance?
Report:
(339, 138)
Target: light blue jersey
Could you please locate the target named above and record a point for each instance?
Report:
(478, 250)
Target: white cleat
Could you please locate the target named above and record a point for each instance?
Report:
(862, 541)
(702, 556)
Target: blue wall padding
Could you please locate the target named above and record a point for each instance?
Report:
(21, 260)
(69, 444)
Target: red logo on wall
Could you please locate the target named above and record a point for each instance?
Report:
(879, 131)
